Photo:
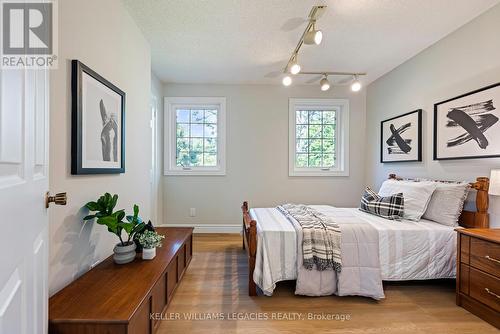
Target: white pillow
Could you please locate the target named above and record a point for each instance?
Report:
(416, 195)
(447, 203)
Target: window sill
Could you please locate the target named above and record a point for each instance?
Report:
(331, 173)
(194, 172)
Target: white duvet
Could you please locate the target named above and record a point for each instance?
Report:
(408, 250)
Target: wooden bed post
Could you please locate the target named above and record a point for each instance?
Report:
(481, 216)
(250, 244)
(252, 249)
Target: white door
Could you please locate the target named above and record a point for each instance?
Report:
(24, 101)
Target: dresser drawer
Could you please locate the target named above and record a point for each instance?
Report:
(485, 288)
(485, 255)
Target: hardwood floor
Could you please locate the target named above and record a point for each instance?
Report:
(216, 284)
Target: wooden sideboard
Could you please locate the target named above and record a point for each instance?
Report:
(478, 273)
(127, 298)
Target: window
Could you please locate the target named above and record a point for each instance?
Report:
(195, 136)
(319, 137)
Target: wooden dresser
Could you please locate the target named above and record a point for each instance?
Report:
(127, 298)
(478, 273)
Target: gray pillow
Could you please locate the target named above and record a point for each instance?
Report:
(447, 203)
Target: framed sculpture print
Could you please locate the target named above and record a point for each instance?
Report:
(97, 125)
(467, 126)
(401, 138)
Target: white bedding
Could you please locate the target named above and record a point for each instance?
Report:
(408, 250)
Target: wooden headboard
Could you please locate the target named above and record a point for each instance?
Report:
(472, 219)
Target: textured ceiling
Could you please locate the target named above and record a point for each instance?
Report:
(249, 41)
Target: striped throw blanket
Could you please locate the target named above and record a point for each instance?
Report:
(321, 237)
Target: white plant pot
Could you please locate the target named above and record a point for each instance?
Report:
(148, 253)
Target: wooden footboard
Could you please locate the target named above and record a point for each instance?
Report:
(250, 244)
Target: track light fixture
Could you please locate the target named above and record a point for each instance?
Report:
(356, 85)
(324, 84)
(313, 36)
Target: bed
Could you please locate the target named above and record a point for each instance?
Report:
(374, 249)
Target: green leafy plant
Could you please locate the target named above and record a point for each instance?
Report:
(114, 220)
(150, 239)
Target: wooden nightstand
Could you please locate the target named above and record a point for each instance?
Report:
(478, 273)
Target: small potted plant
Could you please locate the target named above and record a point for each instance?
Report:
(124, 251)
(149, 241)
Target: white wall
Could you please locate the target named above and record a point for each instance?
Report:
(157, 93)
(466, 60)
(102, 35)
(257, 158)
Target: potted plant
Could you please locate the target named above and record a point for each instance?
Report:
(149, 241)
(124, 251)
(149, 227)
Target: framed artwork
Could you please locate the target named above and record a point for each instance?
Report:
(467, 126)
(97, 124)
(401, 138)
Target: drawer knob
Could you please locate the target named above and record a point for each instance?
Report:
(491, 259)
(488, 291)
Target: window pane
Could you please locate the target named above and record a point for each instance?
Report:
(182, 144)
(302, 145)
(315, 137)
(196, 130)
(315, 160)
(182, 130)
(328, 131)
(302, 116)
(182, 116)
(314, 131)
(197, 116)
(315, 145)
(328, 160)
(328, 145)
(210, 130)
(328, 117)
(301, 160)
(196, 158)
(183, 159)
(210, 145)
(196, 144)
(210, 116)
(210, 159)
(301, 131)
(314, 117)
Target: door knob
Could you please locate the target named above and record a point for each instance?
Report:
(58, 199)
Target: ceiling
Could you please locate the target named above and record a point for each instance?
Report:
(250, 41)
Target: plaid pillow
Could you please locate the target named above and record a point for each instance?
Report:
(390, 207)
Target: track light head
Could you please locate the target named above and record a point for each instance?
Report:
(287, 80)
(313, 36)
(324, 84)
(356, 85)
(294, 67)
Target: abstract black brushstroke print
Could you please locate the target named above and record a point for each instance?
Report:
(396, 144)
(475, 119)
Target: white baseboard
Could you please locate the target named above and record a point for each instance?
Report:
(209, 228)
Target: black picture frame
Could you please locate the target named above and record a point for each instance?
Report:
(77, 168)
(436, 129)
(418, 139)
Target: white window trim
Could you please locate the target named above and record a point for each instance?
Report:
(170, 167)
(341, 130)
